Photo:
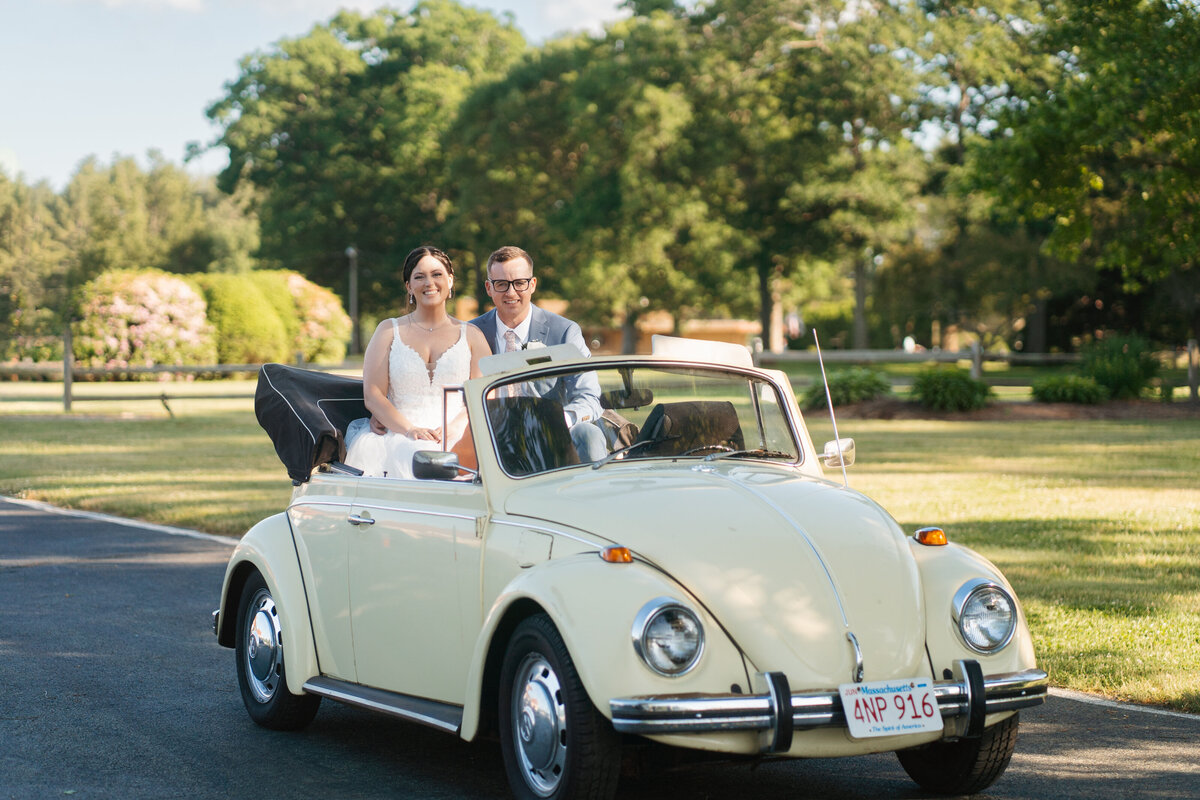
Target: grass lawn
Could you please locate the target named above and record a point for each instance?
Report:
(211, 467)
(1096, 523)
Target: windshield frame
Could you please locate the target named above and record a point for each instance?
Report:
(785, 402)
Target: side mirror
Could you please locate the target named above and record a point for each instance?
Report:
(435, 465)
(839, 453)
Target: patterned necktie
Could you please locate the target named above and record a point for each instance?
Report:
(510, 344)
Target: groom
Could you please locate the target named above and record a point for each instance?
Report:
(515, 322)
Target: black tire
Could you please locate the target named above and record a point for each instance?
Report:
(965, 766)
(260, 670)
(556, 745)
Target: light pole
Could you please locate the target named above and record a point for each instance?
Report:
(355, 335)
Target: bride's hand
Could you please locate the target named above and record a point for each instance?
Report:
(430, 434)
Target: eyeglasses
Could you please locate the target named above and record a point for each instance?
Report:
(520, 284)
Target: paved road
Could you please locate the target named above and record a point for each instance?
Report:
(112, 686)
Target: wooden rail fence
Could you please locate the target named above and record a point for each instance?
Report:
(975, 356)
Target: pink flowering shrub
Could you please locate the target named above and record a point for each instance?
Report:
(141, 318)
(317, 326)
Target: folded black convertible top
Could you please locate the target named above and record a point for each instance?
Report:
(306, 413)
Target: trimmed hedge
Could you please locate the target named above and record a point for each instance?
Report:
(848, 386)
(1069, 389)
(950, 389)
(140, 318)
(316, 325)
(249, 330)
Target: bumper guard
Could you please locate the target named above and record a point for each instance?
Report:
(959, 699)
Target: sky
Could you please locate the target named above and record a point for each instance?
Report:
(118, 78)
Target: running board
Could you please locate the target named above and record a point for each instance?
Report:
(443, 716)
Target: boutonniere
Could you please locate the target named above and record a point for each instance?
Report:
(532, 344)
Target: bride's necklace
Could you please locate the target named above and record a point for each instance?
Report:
(412, 319)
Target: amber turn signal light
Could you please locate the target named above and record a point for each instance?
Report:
(617, 555)
(932, 537)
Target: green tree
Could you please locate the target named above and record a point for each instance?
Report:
(964, 267)
(33, 264)
(120, 216)
(584, 156)
(1107, 153)
(810, 105)
(108, 220)
(341, 129)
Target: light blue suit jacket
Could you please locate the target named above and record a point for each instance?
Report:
(579, 394)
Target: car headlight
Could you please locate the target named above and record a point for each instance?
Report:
(668, 637)
(986, 615)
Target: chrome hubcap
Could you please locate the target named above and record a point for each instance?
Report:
(264, 655)
(539, 724)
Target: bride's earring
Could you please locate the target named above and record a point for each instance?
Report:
(411, 299)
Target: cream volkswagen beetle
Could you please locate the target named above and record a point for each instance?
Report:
(705, 585)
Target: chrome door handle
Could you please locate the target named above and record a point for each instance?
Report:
(355, 519)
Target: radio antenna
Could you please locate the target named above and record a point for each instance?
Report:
(829, 399)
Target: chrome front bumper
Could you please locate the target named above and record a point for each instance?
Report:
(966, 699)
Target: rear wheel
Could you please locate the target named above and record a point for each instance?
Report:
(965, 766)
(260, 671)
(556, 744)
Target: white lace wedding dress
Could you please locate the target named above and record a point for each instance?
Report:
(417, 394)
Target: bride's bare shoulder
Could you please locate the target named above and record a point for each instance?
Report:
(477, 341)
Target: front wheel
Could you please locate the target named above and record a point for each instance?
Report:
(556, 745)
(260, 671)
(965, 766)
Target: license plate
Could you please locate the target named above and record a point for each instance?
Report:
(890, 708)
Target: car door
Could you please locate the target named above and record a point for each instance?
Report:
(318, 516)
(413, 573)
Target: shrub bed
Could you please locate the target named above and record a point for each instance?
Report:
(316, 325)
(1069, 389)
(1124, 365)
(140, 318)
(249, 330)
(950, 389)
(848, 386)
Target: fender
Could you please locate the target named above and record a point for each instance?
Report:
(599, 635)
(943, 570)
(268, 547)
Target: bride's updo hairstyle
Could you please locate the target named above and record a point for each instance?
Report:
(410, 263)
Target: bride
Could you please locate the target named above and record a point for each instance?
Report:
(408, 361)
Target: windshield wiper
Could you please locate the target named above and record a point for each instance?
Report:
(626, 450)
(759, 453)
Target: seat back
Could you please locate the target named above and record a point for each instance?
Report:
(531, 434)
(676, 428)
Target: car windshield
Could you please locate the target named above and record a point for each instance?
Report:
(622, 412)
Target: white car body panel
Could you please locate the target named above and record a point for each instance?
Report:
(778, 563)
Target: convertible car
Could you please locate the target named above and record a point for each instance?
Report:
(706, 585)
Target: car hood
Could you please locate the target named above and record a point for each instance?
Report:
(787, 564)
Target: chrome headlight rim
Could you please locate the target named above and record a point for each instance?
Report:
(641, 626)
(964, 595)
